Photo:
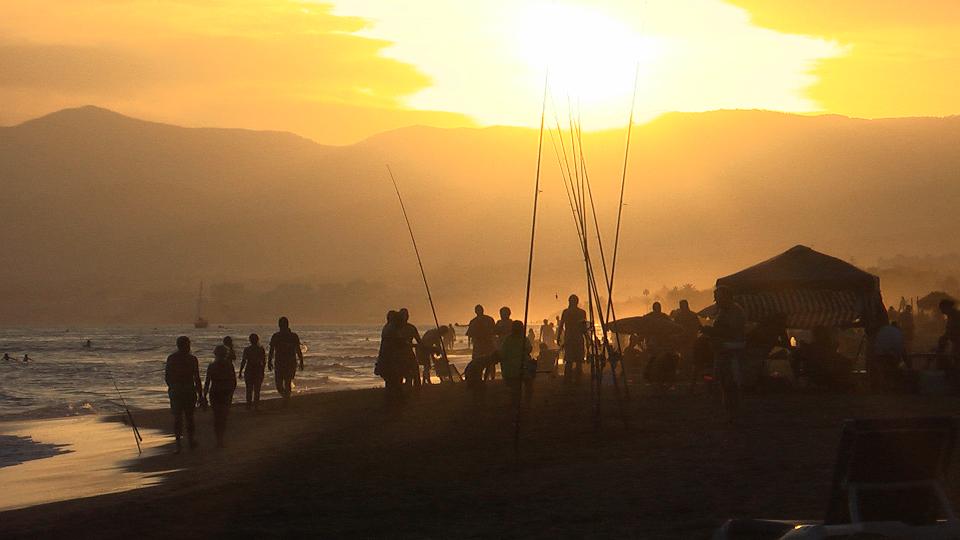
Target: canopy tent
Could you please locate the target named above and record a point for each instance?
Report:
(810, 288)
(932, 301)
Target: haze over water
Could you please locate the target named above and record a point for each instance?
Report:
(66, 379)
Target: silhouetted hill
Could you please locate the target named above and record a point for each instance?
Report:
(107, 217)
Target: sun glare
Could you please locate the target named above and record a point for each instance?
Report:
(591, 56)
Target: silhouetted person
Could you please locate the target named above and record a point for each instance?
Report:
(26, 357)
(390, 358)
(690, 322)
(254, 361)
(907, 326)
(515, 362)
(548, 335)
(285, 347)
(410, 337)
(88, 344)
(182, 375)
(887, 349)
(727, 335)
(570, 333)
(482, 331)
(218, 389)
(950, 340)
(231, 354)
(656, 310)
(7, 358)
(428, 347)
(504, 326)
(450, 341)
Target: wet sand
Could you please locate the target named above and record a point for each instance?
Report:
(340, 465)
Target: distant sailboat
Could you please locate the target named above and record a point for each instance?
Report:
(200, 322)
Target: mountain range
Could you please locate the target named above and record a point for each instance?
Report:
(113, 219)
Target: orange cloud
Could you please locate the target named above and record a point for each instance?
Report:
(903, 58)
(268, 64)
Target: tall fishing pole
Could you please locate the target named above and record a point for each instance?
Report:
(423, 274)
(623, 183)
(533, 235)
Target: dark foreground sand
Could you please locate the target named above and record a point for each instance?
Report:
(338, 465)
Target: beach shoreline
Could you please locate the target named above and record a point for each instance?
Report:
(339, 464)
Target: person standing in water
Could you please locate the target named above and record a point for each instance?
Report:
(285, 347)
(570, 333)
(254, 360)
(182, 375)
(218, 390)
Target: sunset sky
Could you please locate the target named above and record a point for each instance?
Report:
(338, 72)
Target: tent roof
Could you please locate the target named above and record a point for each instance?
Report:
(932, 300)
(800, 268)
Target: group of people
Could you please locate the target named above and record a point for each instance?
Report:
(8, 358)
(186, 393)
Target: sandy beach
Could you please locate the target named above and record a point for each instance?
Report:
(340, 465)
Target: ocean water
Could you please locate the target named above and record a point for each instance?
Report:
(64, 378)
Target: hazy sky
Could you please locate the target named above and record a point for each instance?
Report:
(342, 71)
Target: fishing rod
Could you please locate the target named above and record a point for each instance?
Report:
(604, 320)
(123, 403)
(423, 274)
(623, 183)
(133, 423)
(533, 234)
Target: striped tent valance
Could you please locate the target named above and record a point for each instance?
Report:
(803, 308)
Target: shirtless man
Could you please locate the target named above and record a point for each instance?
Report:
(182, 375)
(285, 346)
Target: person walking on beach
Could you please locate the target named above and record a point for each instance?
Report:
(285, 347)
(410, 337)
(182, 375)
(218, 390)
(482, 332)
(570, 333)
(515, 364)
(254, 360)
(729, 341)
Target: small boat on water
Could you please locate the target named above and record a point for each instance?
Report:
(200, 322)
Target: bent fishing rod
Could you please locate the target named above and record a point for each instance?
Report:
(423, 274)
(133, 424)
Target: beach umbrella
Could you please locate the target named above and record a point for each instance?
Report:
(932, 300)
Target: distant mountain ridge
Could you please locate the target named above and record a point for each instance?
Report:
(102, 210)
